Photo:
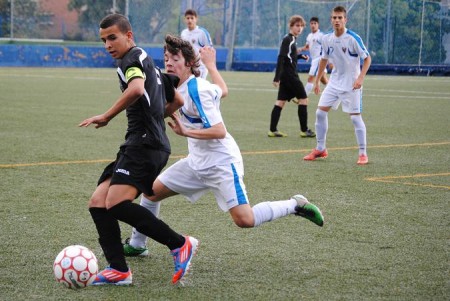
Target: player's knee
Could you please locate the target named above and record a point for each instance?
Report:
(303, 101)
(96, 202)
(243, 216)
(323, 109)
(280, 104)
(244, 223)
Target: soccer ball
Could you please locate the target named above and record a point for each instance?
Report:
(75, 267)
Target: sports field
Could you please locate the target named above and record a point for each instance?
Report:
(387, 225)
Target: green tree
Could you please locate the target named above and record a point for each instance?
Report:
(91, 12)
(149, 18)
(25, 16)
(395, 34)
(5, 13)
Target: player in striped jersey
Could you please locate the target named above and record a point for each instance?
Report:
(346, 50)
(314, 46)
(196, 35)
(214, 162)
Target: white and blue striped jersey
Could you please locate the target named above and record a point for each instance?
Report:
(346, 53)
(201, 109)
(198, 37)
(314, 40)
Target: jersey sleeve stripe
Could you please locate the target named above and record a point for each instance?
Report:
(189, 118)
(240, 195)
(193, 93)
(289, 51)
(208, 37)
(358, 40)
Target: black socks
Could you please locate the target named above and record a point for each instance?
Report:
(137, 216)
(303, 117)
(274, 118)
(145, 222)
(109, 238)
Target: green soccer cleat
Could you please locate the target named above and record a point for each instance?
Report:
(307, 134)
(276, 134)
(131, 251)
(307, 210)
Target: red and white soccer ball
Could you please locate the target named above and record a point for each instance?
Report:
(75, 267)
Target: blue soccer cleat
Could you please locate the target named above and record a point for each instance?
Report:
(114, 277)
(182, 258)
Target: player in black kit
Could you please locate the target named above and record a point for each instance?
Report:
(288, 82)
(140, 159)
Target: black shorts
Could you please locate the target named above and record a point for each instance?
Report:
(136, 165)
(291, 88)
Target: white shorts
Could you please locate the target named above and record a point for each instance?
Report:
(315, 67)
(225, 181)
(351, 100)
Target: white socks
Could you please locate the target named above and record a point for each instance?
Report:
(321, 129)
(360, 132)
(269, 211)
(309, 87)
(139, 240)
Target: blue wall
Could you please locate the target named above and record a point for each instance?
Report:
(16, 55)
(244, 59)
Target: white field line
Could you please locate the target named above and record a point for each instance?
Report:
(267, 88)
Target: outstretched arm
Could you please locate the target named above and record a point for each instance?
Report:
(208, 57)
(134, 90)
(304, 48)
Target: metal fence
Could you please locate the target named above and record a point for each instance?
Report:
(395, 31)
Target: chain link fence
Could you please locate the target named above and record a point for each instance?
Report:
(395, 31)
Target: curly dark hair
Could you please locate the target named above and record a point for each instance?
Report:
(174, 45)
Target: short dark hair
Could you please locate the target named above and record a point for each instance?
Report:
(190, 12)
(340, 9)
(314, 19)
(116, 19)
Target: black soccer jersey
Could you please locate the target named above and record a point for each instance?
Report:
(287, 59)
(146, 115)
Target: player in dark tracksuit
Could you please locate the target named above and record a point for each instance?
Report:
(288, 82)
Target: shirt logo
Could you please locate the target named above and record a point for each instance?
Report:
(231, 201)
(344, 49)
(352, 54)
(124, 171)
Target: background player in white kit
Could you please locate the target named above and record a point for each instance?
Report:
(314, 46)
(196, 35)
(214, 162)
(346, 49)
